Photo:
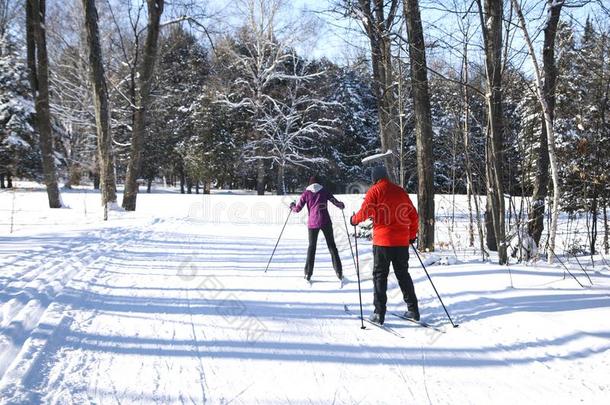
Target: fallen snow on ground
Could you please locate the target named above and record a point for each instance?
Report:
(171, 304)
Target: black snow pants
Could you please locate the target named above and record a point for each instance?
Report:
(327, 230)
(399, 257)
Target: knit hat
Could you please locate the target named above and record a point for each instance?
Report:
(313, 179)
(378, 173)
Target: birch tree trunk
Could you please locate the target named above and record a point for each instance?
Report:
(541, 181)
(423, 124)
(100, 99)
(548, 121)
(155, 9)
(39, 70)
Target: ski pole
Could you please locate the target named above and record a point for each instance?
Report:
(437, 294)
(278, 240)
(348, 238)
(358, 276)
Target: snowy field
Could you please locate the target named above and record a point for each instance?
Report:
(171, 305)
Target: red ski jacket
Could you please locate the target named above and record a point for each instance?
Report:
(395, 219)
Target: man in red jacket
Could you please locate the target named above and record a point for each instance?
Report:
(395, 226)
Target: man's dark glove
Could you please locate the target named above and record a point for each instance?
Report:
(292, 205)
(412, 241)
(340, 205)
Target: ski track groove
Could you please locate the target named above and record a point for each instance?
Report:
(43, 274)
(202, 374)
(203, 378)
(26, 308)
(423, 369)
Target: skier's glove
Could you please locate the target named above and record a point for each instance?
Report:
(351, 221)
(412, 241)
(340, 205)
(292, 205)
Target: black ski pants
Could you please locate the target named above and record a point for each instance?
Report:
(327, 230)
(398, 256)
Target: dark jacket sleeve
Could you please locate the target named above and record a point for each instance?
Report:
(301, 203)
(336, 202)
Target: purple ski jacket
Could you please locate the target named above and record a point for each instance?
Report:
(316, 198)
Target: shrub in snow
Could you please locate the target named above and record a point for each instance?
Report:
(578, 247)
(523, 246)
(445, 260)
(448, 260)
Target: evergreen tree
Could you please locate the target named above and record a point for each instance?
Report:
(584, 124)
(19, 149)
(357, 124)
(182, 73)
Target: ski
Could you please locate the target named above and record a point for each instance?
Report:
(420, 323)
(382, 327)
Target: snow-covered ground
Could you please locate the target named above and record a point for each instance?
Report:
(171, 304)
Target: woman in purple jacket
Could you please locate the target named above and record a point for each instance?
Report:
(316, 198)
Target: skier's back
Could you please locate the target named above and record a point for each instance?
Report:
(395, 226)
(316, 198)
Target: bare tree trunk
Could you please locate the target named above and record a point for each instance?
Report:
(469, 180)
(182, 180)
(31, 45)
(155, 9)
(541, 181)
(95, 177)
(401, 124)
(491, 23)
(490, 233)
(470, 217)
(594, 215)
(37, 49)
(377, 27)
(548, 121)
(100, 99)
(260, 177)
(281, 187)
(423, 124)
(606, 227)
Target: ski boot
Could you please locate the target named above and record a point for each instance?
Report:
(376, 318)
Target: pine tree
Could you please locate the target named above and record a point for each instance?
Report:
(181, 76)
(585, 140)
(19, 149)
